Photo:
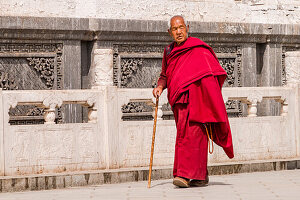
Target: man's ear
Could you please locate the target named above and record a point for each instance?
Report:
(187, 28)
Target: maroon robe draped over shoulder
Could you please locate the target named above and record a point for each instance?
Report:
(194, 79)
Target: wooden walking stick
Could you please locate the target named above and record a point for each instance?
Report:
(152, 146)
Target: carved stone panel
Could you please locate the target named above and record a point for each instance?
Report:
(283, 70)
(137, 65)
(144, 73)
(30, 67)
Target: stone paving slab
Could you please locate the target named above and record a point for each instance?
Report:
(98, 177)
(272, 185)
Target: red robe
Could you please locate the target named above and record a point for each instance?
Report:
(194, 79)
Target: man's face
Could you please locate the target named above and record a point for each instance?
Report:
(178, 30)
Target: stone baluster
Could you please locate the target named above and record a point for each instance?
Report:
(92, 113)
(49, 115)
(252, 101)
(284, 105)
(50, 103)
(284, 109)
(159, 110)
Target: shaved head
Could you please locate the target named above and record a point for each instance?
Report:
(178, 29)
(176, 17)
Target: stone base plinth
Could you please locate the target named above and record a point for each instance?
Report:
(98, 177)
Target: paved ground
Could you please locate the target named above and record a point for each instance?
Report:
(260, 185)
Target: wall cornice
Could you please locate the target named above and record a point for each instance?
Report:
(141, 30)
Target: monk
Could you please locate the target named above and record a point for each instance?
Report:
(194, 78)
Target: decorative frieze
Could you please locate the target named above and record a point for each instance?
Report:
(30, 48)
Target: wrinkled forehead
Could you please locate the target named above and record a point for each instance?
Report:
(175, 21)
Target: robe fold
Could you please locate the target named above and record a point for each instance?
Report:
(194, 79)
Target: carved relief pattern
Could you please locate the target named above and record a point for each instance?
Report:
(134, 107)
(139, 48)
(128, 49)
(226, 49)
(231, 65)
(283, 67)
(45, 66)
(238, 65)
(48, 69)
(129, 67)
(29, 48)
(231, 104)
(228, 66)
(7, 82)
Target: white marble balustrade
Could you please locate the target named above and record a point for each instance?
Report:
(109, 142)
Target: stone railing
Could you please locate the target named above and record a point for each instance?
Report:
(251, 96)
(50, 100)
(109, 142)
(253, 137)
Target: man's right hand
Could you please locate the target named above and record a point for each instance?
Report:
(157, 91)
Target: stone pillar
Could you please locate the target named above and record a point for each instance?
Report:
(292, 67)
(102, 67)
(102, 81)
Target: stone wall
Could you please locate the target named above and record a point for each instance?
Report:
(245, 11)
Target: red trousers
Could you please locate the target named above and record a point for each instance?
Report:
(191, 145)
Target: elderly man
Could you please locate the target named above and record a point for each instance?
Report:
(194, 78)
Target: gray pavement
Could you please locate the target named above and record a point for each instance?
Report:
(258, 185)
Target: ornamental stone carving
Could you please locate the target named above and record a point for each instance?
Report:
(33, 66)
(252, 101)
(283, 61)
(91, 101)
(292, 67)
(12, 101)
(44, 66)
(254, 98)
(129, 66)
(103, 67)
(7, 82)
(52, 101)
(135, 107)
(138, 54)
(228, 65)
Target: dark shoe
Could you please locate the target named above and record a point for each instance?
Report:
(181, 182)
(199, 183)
